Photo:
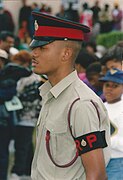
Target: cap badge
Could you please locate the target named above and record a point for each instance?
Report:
(83, 142)
(36, 25)
(113, 71)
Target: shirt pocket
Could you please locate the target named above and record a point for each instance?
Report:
(61, 141)
(58, 127)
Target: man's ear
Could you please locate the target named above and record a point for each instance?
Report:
(67, 54)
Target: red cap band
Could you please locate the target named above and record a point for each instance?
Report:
(60, 32)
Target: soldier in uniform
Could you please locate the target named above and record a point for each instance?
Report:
(73, 127)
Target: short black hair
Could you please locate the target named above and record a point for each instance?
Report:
(85, 5)
(85, 58)
(5, 34)
(91, 44)
(114, 53)
(94, 67)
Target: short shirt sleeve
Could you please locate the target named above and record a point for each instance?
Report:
(85, 118)
(86, 128)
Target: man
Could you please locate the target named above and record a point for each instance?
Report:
(70, 136)
(113, 89)
(24, 14)
(96, 9)
(6, 19)
(6, 40)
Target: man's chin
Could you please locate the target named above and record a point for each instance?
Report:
(36, 71)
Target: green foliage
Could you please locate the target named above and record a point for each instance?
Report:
(109, 39)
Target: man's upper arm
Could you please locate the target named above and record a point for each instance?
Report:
(94, 164)
(90, 140)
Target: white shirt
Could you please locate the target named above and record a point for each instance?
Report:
(115, 112)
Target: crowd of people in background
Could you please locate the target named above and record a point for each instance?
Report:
(101, 19)
(20, 102)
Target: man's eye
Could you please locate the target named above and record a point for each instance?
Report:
(32, 48)
(42, 47)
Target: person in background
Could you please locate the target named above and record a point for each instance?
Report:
(93, 48)
(6, 41)
(4, 118)
(19, 45)
(86, 18)
(10, 73)
(61, 12)
(105, 19)
(93, 73)
(68, 114)
(27, 92)
(83, 60)
(23, 33)
(24, 15)
(96, 25)
(117, 16)
(71, 14)
(113, 57)
(113, 89)
(96, 9)
(6, 19)
(43, 8)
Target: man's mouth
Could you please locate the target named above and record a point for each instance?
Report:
(34, 62)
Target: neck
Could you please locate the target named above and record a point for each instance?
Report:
(115, 101)
(54, 79)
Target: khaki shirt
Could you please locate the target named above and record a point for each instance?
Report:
(54, 117)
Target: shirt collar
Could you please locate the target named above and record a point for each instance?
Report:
(58, 88)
